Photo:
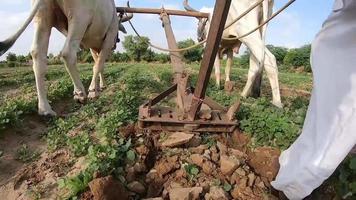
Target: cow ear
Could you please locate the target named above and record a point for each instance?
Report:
(122, 28)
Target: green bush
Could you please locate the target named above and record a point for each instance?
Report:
(279, 52)
(299, 57)
(346, 179)
(269, 125)
(193, 55)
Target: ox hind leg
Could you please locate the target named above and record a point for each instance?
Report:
(39, 51)
(271, 68)
(97, 83)
(76, 31)
(217, 71)
(229, 63)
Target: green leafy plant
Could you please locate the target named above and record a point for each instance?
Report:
(269, 125)
(346, 179)
(192, 171)
(25, 154)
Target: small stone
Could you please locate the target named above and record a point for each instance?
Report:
(222, 148)
(251, 179)
(197, 159)
(237, 153)
(108, 188)
(185, 193)
(194, 142)
(215, 157)
(151, 175)
(242, 183)
(198, 150)
(205, 114)
(228, 165)
(216, 193)
(177, 139)
(240, 172)
(213, 149)
(236, 193)
(139, 167)
(142, 150)
(130, 174)
(136, 187)
(167, 165)
(265, 162)
(207, 154)
(208, 167)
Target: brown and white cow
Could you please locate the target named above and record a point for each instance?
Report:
(260, 57)
(90, 24)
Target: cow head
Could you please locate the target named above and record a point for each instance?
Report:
(202, 31)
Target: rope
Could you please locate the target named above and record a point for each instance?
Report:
(264, 23)
(164, 49)
(228, 26)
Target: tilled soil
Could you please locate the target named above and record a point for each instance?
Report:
(209, 166)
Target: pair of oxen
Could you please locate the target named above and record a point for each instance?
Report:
(94, 24)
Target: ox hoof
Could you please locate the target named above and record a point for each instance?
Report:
(102, 88)
(277, 104)
(93, 94)
(47, 113)
(79, 97)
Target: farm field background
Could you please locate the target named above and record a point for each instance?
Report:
(58, 158)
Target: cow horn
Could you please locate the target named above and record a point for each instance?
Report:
(187, 6)
(127, 16)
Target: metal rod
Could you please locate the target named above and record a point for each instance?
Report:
(177, 63)
(159, 11)
(221, 11)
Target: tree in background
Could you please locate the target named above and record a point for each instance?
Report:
(299, 57)
(193, 55)
(279, 52)
(244, 60)
(149, 56)
(163, 57)
(11, 59)
(136, 47)
(119, 57)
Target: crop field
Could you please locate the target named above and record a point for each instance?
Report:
(98, 144)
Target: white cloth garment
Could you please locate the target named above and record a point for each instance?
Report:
(329, 131)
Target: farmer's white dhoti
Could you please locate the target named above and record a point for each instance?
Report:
(329, 131)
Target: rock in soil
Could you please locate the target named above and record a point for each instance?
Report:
(264, 161)
(216, 193)
(228, 164)
(222, 148)
(136, 187)
(199, 149)
(108, 188)
(185, 193)
(165, 166)
(194, 142)
(177, 139)
(197, 159)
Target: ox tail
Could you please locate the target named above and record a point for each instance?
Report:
(7, 44)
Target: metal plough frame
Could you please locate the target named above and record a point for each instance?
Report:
(189, 100)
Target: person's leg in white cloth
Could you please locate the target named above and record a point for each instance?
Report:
(329, 131)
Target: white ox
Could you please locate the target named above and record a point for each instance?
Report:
(260, 57)
(86, 24)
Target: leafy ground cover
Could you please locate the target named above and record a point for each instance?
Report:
(100, 139)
